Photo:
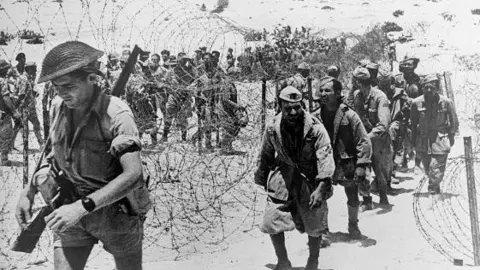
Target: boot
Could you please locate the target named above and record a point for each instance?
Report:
(278, 241)
(353, 229)
(314, 249)
(383, 198)
(367, 204)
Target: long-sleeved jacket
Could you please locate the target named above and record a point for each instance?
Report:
(315, 160)
(349, 138)
(432, 124)
(373, 111)
(400, 106)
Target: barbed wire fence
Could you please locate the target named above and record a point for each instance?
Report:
(202, 199)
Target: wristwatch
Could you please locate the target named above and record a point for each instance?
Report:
(88, 204)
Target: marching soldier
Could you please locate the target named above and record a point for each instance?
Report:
(372, 105)
(95, 146)
(351, 146)
(434, 123)
(399, 129)
(296, 147)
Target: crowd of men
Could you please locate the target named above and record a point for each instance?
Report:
(317, 139)
(353, 140)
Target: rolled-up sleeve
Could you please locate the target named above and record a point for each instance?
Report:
(125, 132)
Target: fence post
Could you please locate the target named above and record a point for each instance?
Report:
(310, 97)
(25, 146)
(264, 103)
(449, 89)
(472, 199)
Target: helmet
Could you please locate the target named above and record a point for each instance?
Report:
(67, 57)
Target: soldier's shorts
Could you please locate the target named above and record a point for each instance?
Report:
(120, 233)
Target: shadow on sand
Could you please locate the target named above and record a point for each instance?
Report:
(341, 237)
(441, 197)
(272, 266)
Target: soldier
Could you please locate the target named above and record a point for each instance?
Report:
(408, 79)
(21, 59)
(7, 111)
(372, 105)
(204, 98)
(399, 130)
(352, 148)
(179, 101)
(373, 70)
(245, 62)
(299, 81)
(198, 60)
(165, 58)
(434, 123)
(228, 108)
(95, 146)
(230, 54)
(26, 103)
(296, 147)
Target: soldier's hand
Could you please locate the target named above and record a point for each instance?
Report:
(23, 212)
(360, 174)
(316, 199)
(65, 216)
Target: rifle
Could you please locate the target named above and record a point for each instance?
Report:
(56, 189)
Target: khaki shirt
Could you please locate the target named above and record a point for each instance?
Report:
(89, 153)
(373, 110)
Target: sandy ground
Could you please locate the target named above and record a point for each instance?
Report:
(392, 239)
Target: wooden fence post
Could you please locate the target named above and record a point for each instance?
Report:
(264, 103)
(472, 199)
(25, 146)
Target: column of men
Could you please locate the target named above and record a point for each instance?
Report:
(173, 84)
(346, 140)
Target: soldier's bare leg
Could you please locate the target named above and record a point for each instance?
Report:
(71, 258)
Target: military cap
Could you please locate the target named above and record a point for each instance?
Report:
(216, 53)
(409, 57)
(361, 73)
(67, 57)
(384, 73)
(167, 52)
(145, 53)
(30, 64)
(198, 50)
(303, 65)
(333, 68)
(372, 65)
(203, 48)
(428, 79)
(290, 94)
(113, 56)
(4, 64)
(19, 56)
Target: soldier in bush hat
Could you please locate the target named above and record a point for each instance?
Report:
(434, 123)
(352, 148)
(372, 105)
(7, 111)
(296, 147)
(373, 70)
(96, 147)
